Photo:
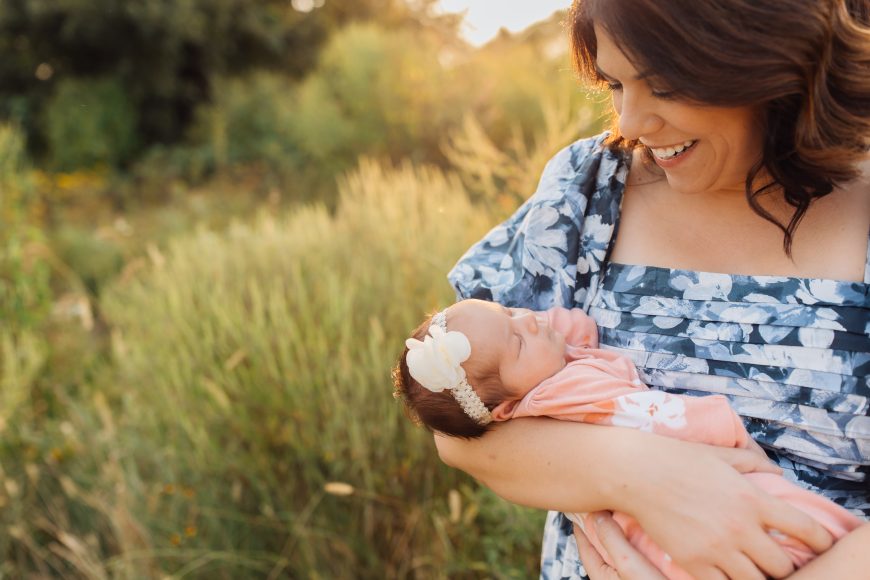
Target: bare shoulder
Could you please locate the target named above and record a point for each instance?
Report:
(858, 190)
(863, 180)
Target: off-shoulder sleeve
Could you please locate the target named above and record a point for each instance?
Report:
(549, 253)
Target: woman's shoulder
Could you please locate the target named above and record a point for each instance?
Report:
(549, 250)
(586, 153)
(582, 167)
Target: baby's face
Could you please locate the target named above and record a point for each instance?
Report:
(517, 341)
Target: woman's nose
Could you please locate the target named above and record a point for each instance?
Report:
(637, 115)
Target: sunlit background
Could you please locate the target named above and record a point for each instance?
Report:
(220, 219)
(484, 18)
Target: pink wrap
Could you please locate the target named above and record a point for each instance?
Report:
(601, 387)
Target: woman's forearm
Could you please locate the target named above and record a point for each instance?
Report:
(549, 464)
(848, 559)
(666, 484)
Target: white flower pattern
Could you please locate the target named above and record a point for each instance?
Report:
(645, 410)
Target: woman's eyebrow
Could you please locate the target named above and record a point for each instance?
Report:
(607, 77)
(603, 74)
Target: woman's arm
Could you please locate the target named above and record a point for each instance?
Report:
(848, 559)
(664, 483)
(525, 461)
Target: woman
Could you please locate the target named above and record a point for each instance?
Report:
(720, 239)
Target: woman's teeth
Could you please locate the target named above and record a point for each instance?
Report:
(669, 152)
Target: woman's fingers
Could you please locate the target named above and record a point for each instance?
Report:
(752, 445)
(595, 566)
(779, 516)
(628, 562)
(744, 569)
(768, 556)
(746, 461)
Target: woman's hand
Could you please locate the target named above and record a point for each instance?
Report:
(690, 498)
(756, 448)
(629, 564)
(713, 522)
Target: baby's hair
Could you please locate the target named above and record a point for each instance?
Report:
(440, 411)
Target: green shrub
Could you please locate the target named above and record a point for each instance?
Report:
(249, 120)
(95, 260)
(254, 370)
(90, 122)
(376, 92)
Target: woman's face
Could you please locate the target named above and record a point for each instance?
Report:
(701, 149)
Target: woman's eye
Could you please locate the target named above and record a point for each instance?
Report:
(664, 95)
(614, 86)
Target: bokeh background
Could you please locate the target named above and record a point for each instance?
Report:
(220, 218)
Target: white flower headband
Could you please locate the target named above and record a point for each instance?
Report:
(435, 363)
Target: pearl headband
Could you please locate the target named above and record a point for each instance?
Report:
(435, 363)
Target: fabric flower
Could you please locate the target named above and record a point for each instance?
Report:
(644, 410)
(435, 361)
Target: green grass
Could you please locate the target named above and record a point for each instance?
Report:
(215, 401)
(249, 374)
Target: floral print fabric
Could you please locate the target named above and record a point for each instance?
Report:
(791, 354)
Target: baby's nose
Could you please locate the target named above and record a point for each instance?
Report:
(532, 322)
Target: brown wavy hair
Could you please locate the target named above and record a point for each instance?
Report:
(804, 63)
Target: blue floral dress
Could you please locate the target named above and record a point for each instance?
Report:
(791, 354)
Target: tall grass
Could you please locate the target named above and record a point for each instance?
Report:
(501, 176)
(24, 296)
(257, 435)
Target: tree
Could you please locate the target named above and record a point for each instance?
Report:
(167, 54)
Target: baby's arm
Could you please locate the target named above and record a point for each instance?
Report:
(604, 389)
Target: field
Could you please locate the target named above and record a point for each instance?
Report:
(196, 349)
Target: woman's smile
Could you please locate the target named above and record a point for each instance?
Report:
(672, 155)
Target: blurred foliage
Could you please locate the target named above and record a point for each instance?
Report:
(253, 375)
(509, 78)
(89, 122)
(24, 290)
(167, 54)
(387, 94)
(95, 258)
(250, 121)
(379, 92)
(502, 177)
(189, 391)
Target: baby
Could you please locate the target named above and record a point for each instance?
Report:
(497, 363)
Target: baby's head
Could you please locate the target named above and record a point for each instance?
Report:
(499, 353)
